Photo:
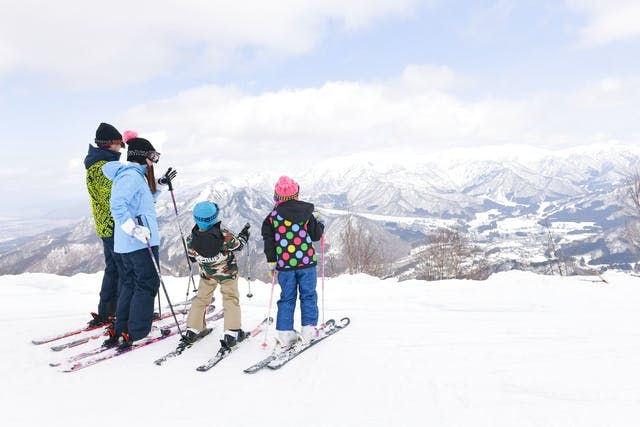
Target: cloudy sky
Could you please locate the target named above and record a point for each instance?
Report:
(226, 88)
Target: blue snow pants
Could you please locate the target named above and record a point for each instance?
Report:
(291, 282)
(113, 272)
(140, 285)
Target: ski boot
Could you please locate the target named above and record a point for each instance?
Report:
(309, 333)
(286, 339)
(189, 337)
(96, 320)
(126, 341)
(232, 337)
(113, 338)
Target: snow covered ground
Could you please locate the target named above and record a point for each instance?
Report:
(515, 350)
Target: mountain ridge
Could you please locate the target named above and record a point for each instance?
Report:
(408, 199)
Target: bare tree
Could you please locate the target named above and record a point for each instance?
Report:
(444, 256)
(330, 264)
(632, 204)
(362, 252)
(330, 261)
(553, 252)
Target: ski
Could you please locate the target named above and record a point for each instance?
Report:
(330, 328)
(260, 365)
(282, 357)
(102, 349)
(285, 357)
(276, 351)
(48, 339)
(45, 340)
(88, 338)
(225, 351)
(112, 352)
(182, 347)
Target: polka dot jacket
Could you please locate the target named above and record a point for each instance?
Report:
(289, 232)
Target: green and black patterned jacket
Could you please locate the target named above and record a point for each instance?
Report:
(99, 187)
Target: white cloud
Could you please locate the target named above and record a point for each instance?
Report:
(609, 92)
(484, 23)
(426, 77)
(608, 21)
(416, 113)
(119, 42)
(214, 131)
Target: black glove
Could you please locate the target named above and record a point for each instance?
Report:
(168, 176)
(244, 233)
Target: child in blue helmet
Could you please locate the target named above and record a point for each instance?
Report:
(213, 248)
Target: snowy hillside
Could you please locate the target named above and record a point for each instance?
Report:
(516, 350)
(577, 195)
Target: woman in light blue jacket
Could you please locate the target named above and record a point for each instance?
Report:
(132, 205)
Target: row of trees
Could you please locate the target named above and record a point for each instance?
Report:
(447, 253)
(361, 250)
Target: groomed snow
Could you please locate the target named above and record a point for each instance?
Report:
(516, 350)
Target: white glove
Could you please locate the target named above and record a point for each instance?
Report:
(140, 232)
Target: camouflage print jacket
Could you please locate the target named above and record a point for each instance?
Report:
(99, 187)
(214, 251)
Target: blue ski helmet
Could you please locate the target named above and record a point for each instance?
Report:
(205, 214)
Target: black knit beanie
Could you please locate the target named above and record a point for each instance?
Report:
(138, 150)
(107, 135)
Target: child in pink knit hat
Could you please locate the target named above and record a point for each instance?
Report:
(288, 233)
(285, 189)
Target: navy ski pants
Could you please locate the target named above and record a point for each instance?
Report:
(111, 280)
(140, 285)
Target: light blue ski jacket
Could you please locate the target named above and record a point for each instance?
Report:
(131, 198)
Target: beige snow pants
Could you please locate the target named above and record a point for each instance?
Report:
(230, 303)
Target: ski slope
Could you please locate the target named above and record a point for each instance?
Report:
(516, 350)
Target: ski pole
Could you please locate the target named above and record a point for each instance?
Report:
(249, 295)
(166, 294)
(168, 175)
(139, 221)
(159, 306)
(322, 261)
(273, 285)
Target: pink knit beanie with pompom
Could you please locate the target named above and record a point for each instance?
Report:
(129, 134)
(286, 189)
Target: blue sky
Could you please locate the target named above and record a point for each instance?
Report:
(219, 87)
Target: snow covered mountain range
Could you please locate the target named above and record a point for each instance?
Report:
(508, 203)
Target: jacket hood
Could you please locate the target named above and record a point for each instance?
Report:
(207, 243)
(95, 155)
(295, 210)
(112, 169)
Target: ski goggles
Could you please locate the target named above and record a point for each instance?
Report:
(154, 156)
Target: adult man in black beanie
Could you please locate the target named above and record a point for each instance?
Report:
(107, 135)
(109, 142)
